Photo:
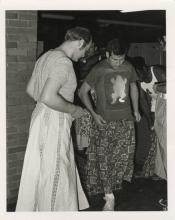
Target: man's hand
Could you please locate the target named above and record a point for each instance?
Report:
(137, 116)
(79, 112)
(99, 120)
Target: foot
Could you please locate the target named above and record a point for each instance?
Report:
(110, 203)
(163, 203)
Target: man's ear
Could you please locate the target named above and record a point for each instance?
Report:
(107, 54)
(80, 43)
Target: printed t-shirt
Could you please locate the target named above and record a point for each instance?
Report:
(112, 89)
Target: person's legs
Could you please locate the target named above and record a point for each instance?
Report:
(110, 202)
(104, 158)
(120, 154)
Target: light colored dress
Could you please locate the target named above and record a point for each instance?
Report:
(161, 132)
(148, 87)
(50, 181)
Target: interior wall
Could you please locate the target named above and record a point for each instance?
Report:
(21, 42)
(151, 52)
(153, 55)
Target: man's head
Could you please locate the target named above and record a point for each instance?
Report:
(115, 51)
(162, 42)
(82, 41)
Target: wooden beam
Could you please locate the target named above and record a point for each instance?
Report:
(106, 21)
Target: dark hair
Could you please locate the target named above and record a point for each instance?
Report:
(79, 33)
(117, 46)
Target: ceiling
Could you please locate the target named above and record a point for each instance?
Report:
(139, 26)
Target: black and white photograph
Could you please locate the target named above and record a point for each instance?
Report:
(86, 126)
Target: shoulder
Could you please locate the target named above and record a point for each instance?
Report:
(101, 65)
(128, 64)
(58, 58)
(159, 70)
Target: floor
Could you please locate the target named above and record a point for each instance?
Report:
(142, 194)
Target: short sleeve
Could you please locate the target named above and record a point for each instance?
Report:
(134, 76)
(60, 70)
(92, 77)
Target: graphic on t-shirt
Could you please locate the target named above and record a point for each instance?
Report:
(119, 84)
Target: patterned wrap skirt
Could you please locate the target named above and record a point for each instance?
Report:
(82, 128)
(110, 157)
(50, 181)
(149, 165)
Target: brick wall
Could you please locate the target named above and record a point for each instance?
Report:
(21, 41)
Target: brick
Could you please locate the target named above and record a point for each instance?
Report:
(12, 137)
(29, 70)
(26, 59)
(21, 30)
(19, 85)
(32, 52)
(11, 200)
(16, 37)
(20, 162)
(17, 122)
(25, 16)
(29, 37)
(15, 109)
(30, 12)
(13, 177)
(32, 23)
(12, 171)
(23, 138)
(24, 127)
(12, 164)
(12, 157)
(22, 66)
(14, 101)
(20, 156)
(13, 185)
(15, 86)
(17, 162)
(11, 66)
(18, 115)
(17, 52)
(11, 130)
(15, 94)
(11, 59)
(12, 143)
(11, 15)
(11, 44)
(27, 44)
(15, 150)
(19, 101)
(19, 108)
(17, 23)
(14, 192)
